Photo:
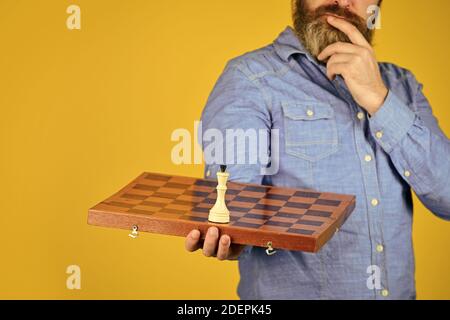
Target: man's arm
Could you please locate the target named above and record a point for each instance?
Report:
(236, 103)
(418, 148)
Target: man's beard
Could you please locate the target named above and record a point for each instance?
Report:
(314, 31)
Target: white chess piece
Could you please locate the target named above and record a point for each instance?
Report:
(219, 213)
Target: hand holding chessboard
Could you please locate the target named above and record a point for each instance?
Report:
(264, 216)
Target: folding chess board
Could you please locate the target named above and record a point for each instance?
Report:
(291, 219)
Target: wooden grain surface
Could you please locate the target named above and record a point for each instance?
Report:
(292, 219)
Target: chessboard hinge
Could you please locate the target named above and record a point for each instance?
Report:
(270, 251)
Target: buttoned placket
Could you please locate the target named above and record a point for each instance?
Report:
(371, 184)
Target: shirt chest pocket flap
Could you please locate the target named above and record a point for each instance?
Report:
(310, 130)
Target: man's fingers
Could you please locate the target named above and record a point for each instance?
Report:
(341, 58)
(192, 242)
(334, 69)
(350, 30)
(224, 247)
(210, 244)
(338, 47)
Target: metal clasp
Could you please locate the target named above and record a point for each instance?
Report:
(270, 251)
(134, 232)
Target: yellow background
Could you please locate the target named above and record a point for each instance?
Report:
(83, 112)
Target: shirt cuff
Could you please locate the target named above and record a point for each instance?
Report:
(390, 124)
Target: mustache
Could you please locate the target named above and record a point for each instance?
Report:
(337, 10)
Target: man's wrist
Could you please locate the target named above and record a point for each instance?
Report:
(379, 100)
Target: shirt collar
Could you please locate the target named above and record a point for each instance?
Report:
(288, 44)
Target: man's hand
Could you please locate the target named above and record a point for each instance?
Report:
(213, 245)
(357, 64)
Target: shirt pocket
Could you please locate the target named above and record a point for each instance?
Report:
(310, 130)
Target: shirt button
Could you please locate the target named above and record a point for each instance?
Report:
(384, 293)
(368, 158)
(360, 115)
(380, 248)
(374, 202)
(407, 174)
(310, 113)
(379, 134)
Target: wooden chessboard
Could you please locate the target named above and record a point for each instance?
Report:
(292, 219)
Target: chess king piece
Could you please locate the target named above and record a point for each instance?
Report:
(219, 213)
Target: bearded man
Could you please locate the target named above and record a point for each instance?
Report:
(347, 124)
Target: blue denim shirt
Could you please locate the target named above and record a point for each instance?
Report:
(329, 143)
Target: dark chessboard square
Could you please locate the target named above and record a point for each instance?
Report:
(232, 191)
(171, 190)
(238, 209)
(183, 203)
(157, 177)
(257, 216)
(246, 199)
(247, 205)
(298, 205)
(256, 189)
(165, 195)
(159, 200)
(210, 200)
(193, 200)
(310, 223)
(306, 194)
(266, 207)
(276, 197)
(200, 209)
(273, 196)
(175, 185)
(318, 213)
(251, 194)
(206, 183)
(134, 196)
(194, 193)
(278, 224)
(325, 202)
(301, 231)
(146, 187)
(154, 204)
(289, 215)
(271, 202)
